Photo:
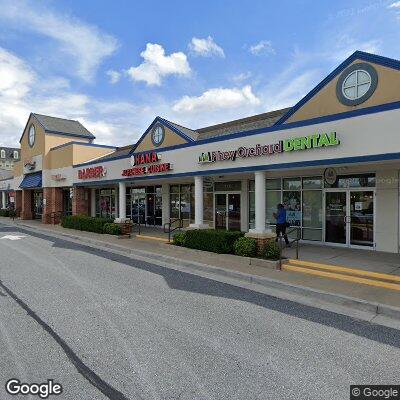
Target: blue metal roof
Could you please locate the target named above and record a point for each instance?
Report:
(32, 181)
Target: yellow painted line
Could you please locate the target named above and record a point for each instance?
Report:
(151, 238)
(347, 278)
(351, 271)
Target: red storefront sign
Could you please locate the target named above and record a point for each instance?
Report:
(92, 172)
(146, 158)
(151, 169)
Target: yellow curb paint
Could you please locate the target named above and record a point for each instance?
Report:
(351, 271)
(151, 238)
(341, 277)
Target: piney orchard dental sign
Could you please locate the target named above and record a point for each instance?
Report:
(286, 145)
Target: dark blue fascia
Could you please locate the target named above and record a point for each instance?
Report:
(83, 144)
(385, 61)
(274, 128)
(168, 125)
(298, 164)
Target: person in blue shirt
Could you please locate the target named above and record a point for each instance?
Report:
(280, 216)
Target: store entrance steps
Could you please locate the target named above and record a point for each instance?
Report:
(360, 276)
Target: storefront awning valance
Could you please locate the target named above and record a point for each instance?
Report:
(32, 181)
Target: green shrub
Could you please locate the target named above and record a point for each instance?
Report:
(212, 240)
(272, 250)
(85, 223)
(111, 228)
(245, 247)
(4, 213)
(179, 239)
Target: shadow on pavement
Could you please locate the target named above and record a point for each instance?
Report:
(189, 282)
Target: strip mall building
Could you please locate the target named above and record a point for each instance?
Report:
(332, 160)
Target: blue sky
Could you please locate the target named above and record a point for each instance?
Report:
(116, 65)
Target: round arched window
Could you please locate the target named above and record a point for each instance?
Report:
(356, 84)
(157, 135)
(31, 135)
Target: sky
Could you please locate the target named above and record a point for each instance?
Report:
(116, 65)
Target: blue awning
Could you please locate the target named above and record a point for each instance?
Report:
(32, 181)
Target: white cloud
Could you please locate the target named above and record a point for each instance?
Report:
(84, 46)
(23, 91)
(395, 5)
(217, 99)
(262, 47)
(114, 76)
(205, 47)
(243, 76)
(157, 65)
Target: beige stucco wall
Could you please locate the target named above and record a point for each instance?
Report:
(325, 102)
(38, 148)
(52, 141)
(60, 158)
(171, 139)
(82, 154)
(387, 211)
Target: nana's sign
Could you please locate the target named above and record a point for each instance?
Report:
(145, 158)
(283, 146)
(145, 164)
(92, 172)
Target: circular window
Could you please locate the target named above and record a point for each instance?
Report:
(157, 135)
(31, 135)
(356, 84)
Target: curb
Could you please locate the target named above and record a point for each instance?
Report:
(327, 297)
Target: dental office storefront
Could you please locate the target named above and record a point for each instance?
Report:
(332, 160)
(338, 188)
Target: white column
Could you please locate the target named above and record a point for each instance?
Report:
(165, 203)
(122, 200)
(260, 204)
(3, 199)
(198, 204)
(93, 202)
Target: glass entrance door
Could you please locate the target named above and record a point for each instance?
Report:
(138, 207)
(361, 218)
(335, 215)
(349, 217)
(233, 212)
(227, 211)
(220, 211)
(37, 204)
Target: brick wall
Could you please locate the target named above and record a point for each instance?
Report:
(18, 202)
(26, 204)
(80, 201)
(53, 205)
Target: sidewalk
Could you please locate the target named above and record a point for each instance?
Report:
(380, 262)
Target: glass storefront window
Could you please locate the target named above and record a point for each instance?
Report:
(182, 202)
(273, 184)
(292, 203)
(208, 207)
(144, 205)
(105, 203)
(313, 182)
(312, 208)
(292, 183)
(252, 210)
(312, 234)
(273, 198)
(227, 186)
(353, 181)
